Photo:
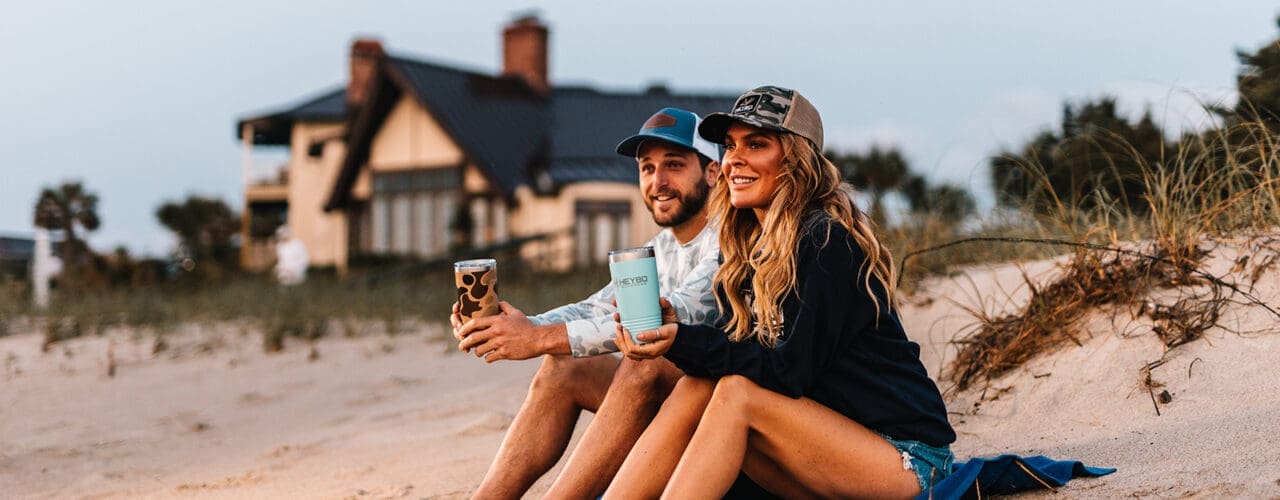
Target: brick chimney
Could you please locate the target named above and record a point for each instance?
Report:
(524, 51)
(365, 53)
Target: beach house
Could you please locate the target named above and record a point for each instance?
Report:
(414, 158)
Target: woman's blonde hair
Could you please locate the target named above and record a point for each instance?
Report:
(807, 181)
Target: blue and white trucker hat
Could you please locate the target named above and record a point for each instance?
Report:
(672, 125)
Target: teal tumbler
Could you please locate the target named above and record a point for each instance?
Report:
(635, 283)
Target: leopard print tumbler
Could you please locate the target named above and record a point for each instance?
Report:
(477, 282)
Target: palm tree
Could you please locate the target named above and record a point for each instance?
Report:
(950, 202)
(877, 172)
(65, 208)
(1258, 82)
(205, 226)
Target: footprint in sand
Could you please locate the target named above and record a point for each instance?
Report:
(297, 451)
(246, 479)
(186, 421)
(365, 400)
(398, 382)
(340, 420)
(381, 492)
(490, 422)
(256, 398)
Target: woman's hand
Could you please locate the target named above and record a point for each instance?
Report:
(656, 342)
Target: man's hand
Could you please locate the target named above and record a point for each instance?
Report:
(509, 335)
(455, 319)
(656, 342)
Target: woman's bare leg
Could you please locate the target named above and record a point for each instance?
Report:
(831, 455)
(645, 471)
(769, 475)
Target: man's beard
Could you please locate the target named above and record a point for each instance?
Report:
(690, 205)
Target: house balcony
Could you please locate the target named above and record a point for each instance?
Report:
(267, 184)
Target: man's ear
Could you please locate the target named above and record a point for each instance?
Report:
(712, 173)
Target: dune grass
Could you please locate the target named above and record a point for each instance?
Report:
(360, 304)
(1224, 185)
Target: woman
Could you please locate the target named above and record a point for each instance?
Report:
(810, 386)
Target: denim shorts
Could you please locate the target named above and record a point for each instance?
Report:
(931, 464)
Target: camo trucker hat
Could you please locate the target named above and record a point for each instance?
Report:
(673, 125)
(769, 107)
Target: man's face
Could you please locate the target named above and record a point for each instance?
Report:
(672, 182)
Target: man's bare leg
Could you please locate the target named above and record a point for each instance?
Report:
(540, 432)
(637, 391)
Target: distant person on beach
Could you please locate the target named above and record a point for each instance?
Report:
(291, 258)
(677, 171)
(808, 384)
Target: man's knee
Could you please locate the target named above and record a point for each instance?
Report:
(558, 373)
(645, 377)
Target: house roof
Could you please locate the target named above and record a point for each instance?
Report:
(275, 128)
(588, 124)
(499, 122)
(21, 249)
(512, 132)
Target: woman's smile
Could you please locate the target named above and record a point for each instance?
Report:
(752, 162)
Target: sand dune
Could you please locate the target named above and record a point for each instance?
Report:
(212, 416)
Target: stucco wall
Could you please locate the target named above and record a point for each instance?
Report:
(545, 214)
(410, 138)
(310, 181)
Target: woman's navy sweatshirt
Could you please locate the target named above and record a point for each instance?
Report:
(832, 349)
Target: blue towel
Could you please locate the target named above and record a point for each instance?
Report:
(1003, 475)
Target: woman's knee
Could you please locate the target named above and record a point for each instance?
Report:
(734, 389)
(729, 399)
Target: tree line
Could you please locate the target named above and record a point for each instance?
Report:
(1098, 158)
(206, 228)
(1095, 156)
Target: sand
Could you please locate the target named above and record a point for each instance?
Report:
(406, 416)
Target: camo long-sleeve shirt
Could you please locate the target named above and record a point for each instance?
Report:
(684, 278)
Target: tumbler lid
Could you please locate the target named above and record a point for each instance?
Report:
(475, 265)
(630, 254)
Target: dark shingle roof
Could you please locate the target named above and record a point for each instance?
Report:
(16, 248)
(500, 123)
(588, 124)
(506, 128)
(275, 128)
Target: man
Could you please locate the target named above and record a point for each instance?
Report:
(677, 171)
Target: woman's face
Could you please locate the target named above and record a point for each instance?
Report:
(752, 161)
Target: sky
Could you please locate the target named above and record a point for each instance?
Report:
(138, 99)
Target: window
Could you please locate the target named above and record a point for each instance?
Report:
(410, 211)
(445, 208)
(424, 235)
(381, 215)
(600, 226)
(401, 224)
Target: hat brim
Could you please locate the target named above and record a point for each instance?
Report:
(630, 147)
(716, 125)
